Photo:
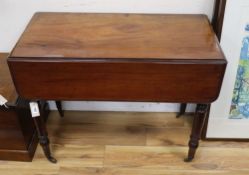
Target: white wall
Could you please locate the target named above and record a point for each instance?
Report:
(15, 14)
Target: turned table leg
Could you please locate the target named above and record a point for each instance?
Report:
(182, 111)
(43, 137)
(198, 123)
(59, 107)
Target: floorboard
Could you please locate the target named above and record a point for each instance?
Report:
(121, 143)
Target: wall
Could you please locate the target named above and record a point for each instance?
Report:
(15, 14)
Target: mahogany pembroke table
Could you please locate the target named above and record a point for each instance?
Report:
(119, 57)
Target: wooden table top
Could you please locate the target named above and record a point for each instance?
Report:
(133, 36)
(7, 89)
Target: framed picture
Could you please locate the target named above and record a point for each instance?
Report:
(229, 115)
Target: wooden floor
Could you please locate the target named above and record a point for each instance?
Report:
(121, 143)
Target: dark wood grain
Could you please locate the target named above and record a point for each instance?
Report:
(118, 81)
(118, 57)
(79, 35)
(17, 132)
